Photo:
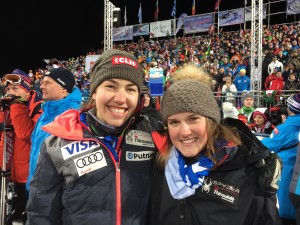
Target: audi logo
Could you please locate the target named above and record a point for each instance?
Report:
(89, 159)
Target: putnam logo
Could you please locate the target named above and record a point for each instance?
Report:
(117, 60)
(77, 147)
(140, 156)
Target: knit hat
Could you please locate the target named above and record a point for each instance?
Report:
(264, 112)
(116, 64)
(243, 70)
(190, 95)
(247, 95)
(25, 84)
(229, 110)
(63, 77)
(293, 103)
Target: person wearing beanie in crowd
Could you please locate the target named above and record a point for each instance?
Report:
(149, 110)
(284, 142)
(247, 108)
(260, 121)
(59, 94)
(21, 108)
(201, 175)
(95, 167)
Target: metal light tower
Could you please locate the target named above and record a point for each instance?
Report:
(256, 45)
(108, 24)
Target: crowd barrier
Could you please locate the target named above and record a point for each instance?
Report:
(268, 99)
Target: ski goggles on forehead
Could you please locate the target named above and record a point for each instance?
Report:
(13, 79)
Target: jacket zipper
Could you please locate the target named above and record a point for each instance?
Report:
(182, 207)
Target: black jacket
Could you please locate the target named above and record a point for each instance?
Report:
(79, 181)
(229, 196)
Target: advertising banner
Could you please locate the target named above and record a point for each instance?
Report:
(195, 24)
(141, 29)
(123, 33)
(292, 7)
(160, 28)
(231, 17)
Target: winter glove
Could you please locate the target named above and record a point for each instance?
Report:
(6, 101)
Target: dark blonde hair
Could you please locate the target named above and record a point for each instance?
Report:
(215, 133)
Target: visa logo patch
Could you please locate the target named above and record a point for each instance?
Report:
(77, 147)
(140, 156)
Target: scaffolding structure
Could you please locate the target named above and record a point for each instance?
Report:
(108, 24)
(256, 45)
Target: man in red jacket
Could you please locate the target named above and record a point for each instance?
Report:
(20, 109)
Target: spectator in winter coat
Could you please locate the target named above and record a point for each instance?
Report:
(277, 85)
(95, 167)
(229, 91)
(247, 108)
(269, 78)
(21, 108)
(294, 186)
(59, 94)
(242, 82)
(292, 83)
(201, 175)
(260, 121)
(284, 142)
(275, 63)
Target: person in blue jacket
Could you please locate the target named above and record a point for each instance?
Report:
(59, 94)
(295, 186)
(242, 82)
(284, 143)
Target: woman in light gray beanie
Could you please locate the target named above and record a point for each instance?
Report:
(201, 175)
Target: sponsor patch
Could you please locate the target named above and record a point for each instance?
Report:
(139, 138)
(140, 156)
(90, 162)
(220, 190)
(117, 60)
(77, 147)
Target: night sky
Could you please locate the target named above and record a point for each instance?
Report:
(35, 30)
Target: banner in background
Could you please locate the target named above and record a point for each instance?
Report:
(89, 62)
(248, 15)
(123, 33)
(231, 17)
(292, 7)
(194, 24)
(180, 22)
(160, 28)
(141, 29)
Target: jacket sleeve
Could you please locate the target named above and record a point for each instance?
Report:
(22, 122)
(44, 205)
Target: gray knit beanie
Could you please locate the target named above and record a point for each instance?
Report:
(247, 95)
(116, 64)
(190, 95)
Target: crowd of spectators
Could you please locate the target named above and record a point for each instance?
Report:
(225, 56)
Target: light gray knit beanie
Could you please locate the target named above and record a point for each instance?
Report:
(116, 64)
(190, 95)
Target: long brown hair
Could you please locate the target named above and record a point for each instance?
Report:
(215, 132)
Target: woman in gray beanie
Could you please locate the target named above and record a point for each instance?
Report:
(202, 174)
(95, 168)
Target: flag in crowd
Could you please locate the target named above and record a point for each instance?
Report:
(218, 2)
(125, 16)
(156, 12)
(211, 29)
(140, 13)
(173, 13)
(180, 22)
(193, 7)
